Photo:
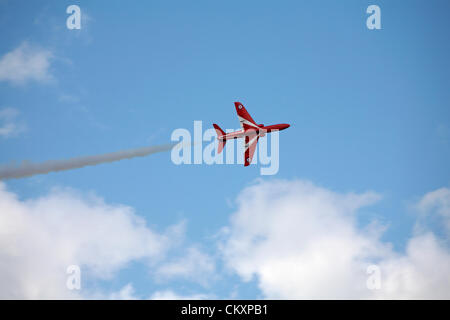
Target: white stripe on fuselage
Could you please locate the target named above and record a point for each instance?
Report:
(238, 134)
(243, 120)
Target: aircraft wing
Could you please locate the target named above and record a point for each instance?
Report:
(250, 146)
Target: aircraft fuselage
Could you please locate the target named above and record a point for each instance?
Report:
(251, 132)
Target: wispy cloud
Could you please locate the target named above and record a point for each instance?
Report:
(443, 133)
(9, 126)
(128, 292)
(436, 204)
(68, 98)
(26, 63)
(171, 295)
(195, 265)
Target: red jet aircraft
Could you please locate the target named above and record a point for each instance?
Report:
(250, 131)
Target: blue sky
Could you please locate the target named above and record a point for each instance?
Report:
(369, 109)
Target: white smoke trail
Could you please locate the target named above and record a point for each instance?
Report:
(28, 169)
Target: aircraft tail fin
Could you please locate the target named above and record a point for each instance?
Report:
(244, 117)
(220, 133)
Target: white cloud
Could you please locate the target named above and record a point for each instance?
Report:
(298, 240)
(26, 63)
(302, 241)
(40, 238)
(9, 126)
(126, 293)
(437, 201)
(194, 265)
(171, 295)
(421, 273)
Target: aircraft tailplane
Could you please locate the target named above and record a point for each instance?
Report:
(222, 142)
